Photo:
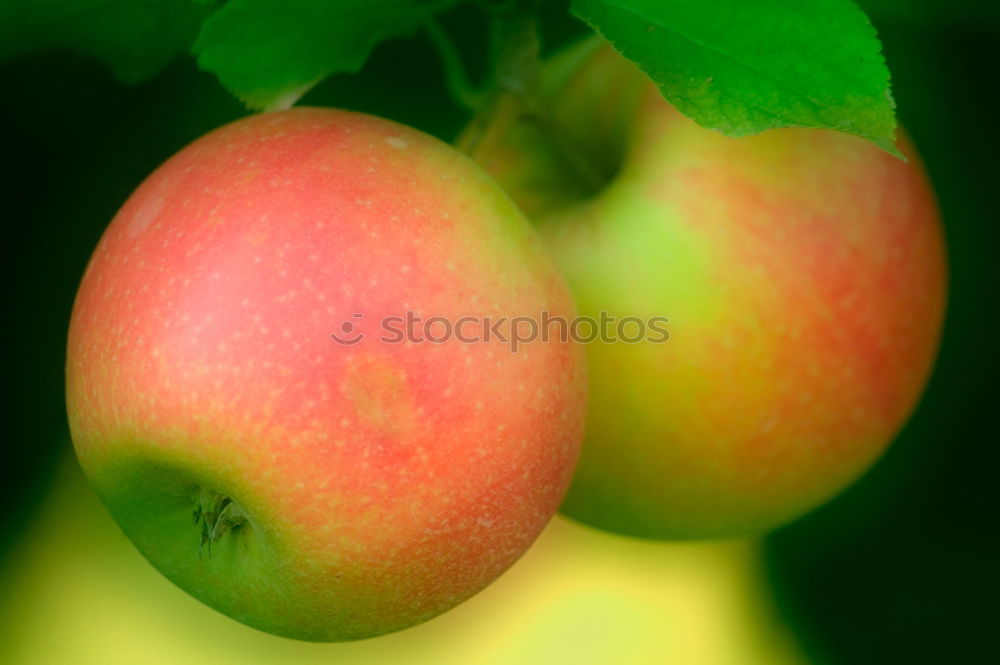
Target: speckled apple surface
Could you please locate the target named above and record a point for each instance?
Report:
(803, 273)
(313, 489)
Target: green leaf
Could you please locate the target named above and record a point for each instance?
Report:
(267, 52)
(136, 38)
(745, 66)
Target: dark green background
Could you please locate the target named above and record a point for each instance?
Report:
(903, 568)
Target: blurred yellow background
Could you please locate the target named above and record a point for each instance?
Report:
(76, 592)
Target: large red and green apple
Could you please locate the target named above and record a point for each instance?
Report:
(310, 487)
(802, 271)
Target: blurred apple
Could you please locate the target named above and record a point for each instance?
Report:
(802, 271)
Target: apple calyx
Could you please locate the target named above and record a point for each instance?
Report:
(216, 515)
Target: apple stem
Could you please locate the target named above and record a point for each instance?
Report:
(516, 62)
(462, 90)
(517, 52)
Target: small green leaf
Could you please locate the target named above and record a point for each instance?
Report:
(136, 38)
(267, 52)
(742, 66)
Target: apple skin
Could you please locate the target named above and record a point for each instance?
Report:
(803, 273)
(369, 486)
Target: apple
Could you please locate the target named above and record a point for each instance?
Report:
(802, 272)
(238, 407)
